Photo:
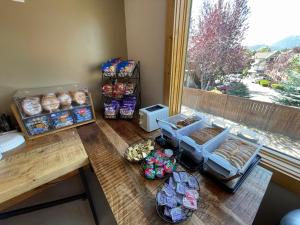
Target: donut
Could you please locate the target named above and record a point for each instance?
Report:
(50, 102)
(64, 99)
(31, 106)
(79, 97)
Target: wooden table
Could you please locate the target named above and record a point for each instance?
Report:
(37, 163)
(132, 198)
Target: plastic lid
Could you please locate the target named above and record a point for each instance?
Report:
(10, 141)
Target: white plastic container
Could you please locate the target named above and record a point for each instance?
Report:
(224, 170)
(196, 151)
(172, 134)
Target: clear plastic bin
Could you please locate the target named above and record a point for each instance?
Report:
(171, 133)
(194, 150)
(223, 169)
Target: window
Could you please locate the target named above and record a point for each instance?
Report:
(204, 74)
(243, 66)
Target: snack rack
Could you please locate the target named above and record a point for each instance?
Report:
(134, 78)
(48, 122)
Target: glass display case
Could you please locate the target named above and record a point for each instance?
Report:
(41, 111)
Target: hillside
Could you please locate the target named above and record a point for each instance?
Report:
(286, 43)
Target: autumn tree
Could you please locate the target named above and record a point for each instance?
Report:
(215, 42)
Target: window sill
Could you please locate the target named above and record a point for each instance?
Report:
(286, 170)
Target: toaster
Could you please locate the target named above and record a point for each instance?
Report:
(149, 115)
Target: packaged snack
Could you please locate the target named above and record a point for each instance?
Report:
(125, 68)
(161, 198)
(129, 88)
(65, 100)
(183, 176)
(190, 203)
(192, 182)
(160, 172)
(177, 214)
(109, 69)
(111, 109)
(171, 183)
(176, 177)
(140, 151)
(118, 90)
(167, 212)
(149, 173)
(31, 106)
(192, 194)
(82, 114)
(50, 102)
(180, 188)
(170, 166)
(37, 125)
(171, 202)
(107, 89)
(128, 106)
(168, 190)
(61, 119)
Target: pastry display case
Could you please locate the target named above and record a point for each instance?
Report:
(41, 111)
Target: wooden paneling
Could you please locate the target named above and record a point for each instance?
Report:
(39, 162)
(132, 197)
(267, 116)
(177, 24)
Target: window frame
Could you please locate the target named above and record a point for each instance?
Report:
(286, 170)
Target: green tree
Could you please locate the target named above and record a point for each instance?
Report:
(290, 89)
(264, 49)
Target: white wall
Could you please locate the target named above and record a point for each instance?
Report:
(145, 33)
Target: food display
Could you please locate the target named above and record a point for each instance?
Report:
(158, 164)
(50, 102)
(121, 88)
(178, 197)
(43, 110)
(186, 122)
(31, 106)
(203, 135)
(139, 151)
(236, 152)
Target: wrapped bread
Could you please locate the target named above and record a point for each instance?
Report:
(50, 102)
(64, 99)
(31, 106)
(79, 97)
(236, 152)
(203, 135)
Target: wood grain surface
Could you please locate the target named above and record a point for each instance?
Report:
(132, 197)
(39, 162)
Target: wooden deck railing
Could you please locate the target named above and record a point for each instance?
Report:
(266, 116)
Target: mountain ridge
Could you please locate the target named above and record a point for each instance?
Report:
(285, 43)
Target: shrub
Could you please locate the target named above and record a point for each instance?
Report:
(276, 86)
(238, 89)
(264, 83)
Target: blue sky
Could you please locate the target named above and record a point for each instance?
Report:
(269, 21)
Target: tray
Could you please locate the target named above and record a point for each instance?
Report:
(241, 180)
